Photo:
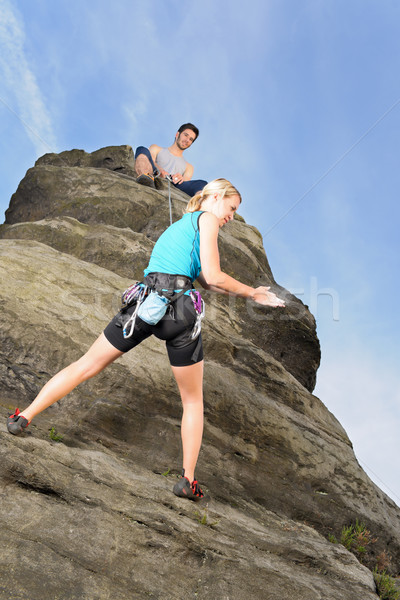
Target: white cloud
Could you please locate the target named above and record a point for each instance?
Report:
(19, 82)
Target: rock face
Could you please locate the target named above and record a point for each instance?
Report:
(93, 516)
(105, 217)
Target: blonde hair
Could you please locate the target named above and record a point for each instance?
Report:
(222, 187)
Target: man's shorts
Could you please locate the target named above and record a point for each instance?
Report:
(175, 328)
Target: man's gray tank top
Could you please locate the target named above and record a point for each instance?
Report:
(170, 163)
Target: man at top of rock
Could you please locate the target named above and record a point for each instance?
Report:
(169, 162)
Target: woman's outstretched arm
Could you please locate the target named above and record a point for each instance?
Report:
(214, 279)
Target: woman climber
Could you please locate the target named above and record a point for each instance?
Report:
(185, 252)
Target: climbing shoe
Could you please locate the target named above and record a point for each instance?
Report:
(16, 423)
(185, 489)
(147, 180)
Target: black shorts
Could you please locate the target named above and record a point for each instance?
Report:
(175, 328)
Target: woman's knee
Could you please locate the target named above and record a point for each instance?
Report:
(85, 368)
(93, 362)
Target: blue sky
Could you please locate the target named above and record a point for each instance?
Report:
(298, 104)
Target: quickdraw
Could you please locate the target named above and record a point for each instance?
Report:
(135, 293)
(200, 308)
(130, 295)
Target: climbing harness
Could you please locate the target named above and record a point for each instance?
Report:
(151, 298)
(170, 286)
(154, 296)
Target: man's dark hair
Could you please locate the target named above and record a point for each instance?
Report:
(189, 126)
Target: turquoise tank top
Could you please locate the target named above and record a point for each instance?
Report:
(177, 250)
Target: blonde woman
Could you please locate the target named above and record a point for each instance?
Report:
(185, 252)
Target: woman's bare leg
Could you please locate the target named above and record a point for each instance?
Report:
(190, 384)
(99, 355)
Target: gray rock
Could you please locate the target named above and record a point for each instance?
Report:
(120, 250)
(98, 197)
(93, 516)
(114, 158)
(98, 526)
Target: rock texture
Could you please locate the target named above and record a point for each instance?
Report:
(93, 516)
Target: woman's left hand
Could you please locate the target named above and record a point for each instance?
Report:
(263, 296)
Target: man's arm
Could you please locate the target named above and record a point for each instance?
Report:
(187, 175)
(154, 150)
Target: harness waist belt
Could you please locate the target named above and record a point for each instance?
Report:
(168, 284)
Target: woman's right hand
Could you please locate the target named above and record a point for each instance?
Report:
(262, 295)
